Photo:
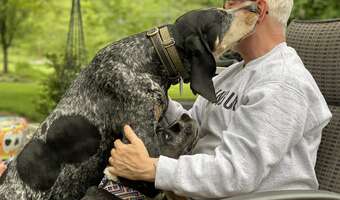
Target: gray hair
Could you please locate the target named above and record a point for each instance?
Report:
(280, 10)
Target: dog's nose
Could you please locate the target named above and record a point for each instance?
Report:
(176, 128)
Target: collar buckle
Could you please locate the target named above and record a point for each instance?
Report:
(152, 32)
(169, 43)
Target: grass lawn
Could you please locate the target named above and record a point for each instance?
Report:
(18, 98)
(19, 89)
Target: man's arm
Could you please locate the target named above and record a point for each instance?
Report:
(260, 133)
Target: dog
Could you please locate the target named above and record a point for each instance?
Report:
(126, 83)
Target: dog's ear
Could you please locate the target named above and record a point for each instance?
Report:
(203, 67)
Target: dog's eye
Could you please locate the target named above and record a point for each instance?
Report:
(167, 137)
(205, 37)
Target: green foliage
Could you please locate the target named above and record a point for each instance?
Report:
(45, 29)
(316, 9)
(104, 22)
(27, 73)
(13, 14)
(24, 72)
(117, 19)
(56, 83)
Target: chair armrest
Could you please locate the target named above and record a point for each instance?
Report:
(290, 195)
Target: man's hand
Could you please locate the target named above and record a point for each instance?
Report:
(132, 161)
(2, 167)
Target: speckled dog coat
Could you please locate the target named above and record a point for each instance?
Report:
(124, 84)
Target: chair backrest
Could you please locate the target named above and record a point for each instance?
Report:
(318, 45)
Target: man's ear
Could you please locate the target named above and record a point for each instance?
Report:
(263, 7)
(203, 67)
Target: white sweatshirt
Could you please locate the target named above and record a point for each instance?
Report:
(262, 135)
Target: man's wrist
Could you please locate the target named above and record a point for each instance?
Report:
(151, 173)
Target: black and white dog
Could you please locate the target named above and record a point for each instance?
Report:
(126, 83)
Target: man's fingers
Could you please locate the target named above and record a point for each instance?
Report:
(111, 161)
(130, 135)
(113, 151)
(118, 143)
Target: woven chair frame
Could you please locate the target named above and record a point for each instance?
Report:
(318, 45)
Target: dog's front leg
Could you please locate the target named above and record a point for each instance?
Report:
(140, 103)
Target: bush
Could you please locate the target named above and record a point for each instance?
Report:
(56, 84)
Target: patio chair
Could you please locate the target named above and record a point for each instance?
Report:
(318, 44)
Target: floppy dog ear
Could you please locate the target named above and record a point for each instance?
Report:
(203, 67)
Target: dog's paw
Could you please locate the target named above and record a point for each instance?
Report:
(109, 176)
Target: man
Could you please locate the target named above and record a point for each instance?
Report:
(261, 135)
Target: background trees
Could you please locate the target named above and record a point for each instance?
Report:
(38, 27)
(13, 14)
(316, 9)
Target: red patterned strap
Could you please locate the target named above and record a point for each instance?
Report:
(120, 190)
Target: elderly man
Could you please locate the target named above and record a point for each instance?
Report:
(262, 134)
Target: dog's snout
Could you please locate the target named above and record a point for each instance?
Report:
(188, 130)
(176, 128)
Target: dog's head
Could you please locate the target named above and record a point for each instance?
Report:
(178, 138)
(204, 35)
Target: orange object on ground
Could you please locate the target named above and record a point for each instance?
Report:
(12, 136)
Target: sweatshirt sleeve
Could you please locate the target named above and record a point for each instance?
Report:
(175, 110)
(269, 122)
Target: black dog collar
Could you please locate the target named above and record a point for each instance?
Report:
(166, 50)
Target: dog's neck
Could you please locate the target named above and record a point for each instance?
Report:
(171, 55)
(157, 69)
(155, 66)
(151, 63)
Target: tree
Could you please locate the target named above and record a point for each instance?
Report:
(316, 9)
(12, 15)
